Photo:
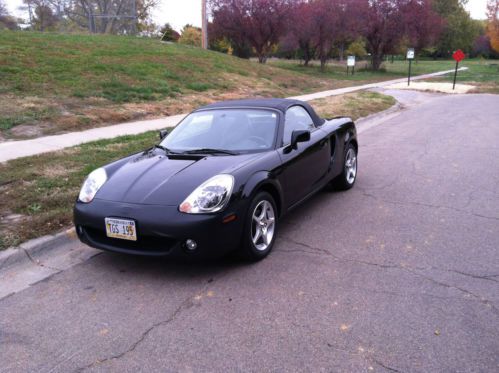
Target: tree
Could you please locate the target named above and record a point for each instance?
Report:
(44, 18)
(423, 24)
(109, 16)
(347, 20)
(6, 20)
(301, 30)
(224, 26)
(321, 25)
(493, 24)
(382, 27)
(325, 16)
(357, 48)
(458, 31)
(259, 23)
(481, 46)
(168, 33)
(190, 36)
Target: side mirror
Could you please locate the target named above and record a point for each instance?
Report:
(163, 134)
(299, 136)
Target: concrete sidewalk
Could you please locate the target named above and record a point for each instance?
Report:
(17, 149)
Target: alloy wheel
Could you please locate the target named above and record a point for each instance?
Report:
(263, 225)
(350, 166)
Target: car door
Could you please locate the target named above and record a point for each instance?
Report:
(304, 168)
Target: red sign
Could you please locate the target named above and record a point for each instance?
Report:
(458, 55)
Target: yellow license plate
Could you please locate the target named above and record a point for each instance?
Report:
(121, 228)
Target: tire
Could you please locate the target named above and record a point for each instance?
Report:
(348, 177)
(256, 246)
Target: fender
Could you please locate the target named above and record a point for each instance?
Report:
(259, 180)
(351, 133)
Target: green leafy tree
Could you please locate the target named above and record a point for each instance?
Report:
(190, 36)
(357, 49)
(169, 33)
(459, 30)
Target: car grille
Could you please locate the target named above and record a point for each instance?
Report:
(143, 244)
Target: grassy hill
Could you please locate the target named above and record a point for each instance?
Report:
(52, 82)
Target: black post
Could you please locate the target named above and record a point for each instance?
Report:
(347, 69)
(409, 76)
(353, 69)
(455, 75)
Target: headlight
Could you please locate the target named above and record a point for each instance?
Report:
(92, 184)
(211, 196)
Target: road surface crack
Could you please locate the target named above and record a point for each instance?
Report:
(410, 269)
(429, 205)
(184, 305)
(467, 292)
(316, 250)
(384, 366)
(479, 277)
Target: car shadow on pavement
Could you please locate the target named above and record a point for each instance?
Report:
(129, 266)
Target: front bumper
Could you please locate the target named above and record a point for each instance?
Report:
(161, 230)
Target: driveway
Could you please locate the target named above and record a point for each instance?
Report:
(400, 274)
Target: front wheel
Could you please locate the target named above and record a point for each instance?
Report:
(260, 229)
(347, 178)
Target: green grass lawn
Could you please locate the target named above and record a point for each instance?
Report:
(52, 83)
(37, 193)
(482, 73)
(337, 70)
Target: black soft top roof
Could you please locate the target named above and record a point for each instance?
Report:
(281, 104)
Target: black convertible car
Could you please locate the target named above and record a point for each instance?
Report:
(220, 181)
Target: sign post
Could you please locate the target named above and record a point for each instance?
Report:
(458, 57)
(351, 63)
(410, 57)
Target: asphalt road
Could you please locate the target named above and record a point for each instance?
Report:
(400, 274)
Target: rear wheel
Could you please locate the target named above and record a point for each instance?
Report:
(347, 178)
(261, 228)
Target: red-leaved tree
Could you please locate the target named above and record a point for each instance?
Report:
(259, 22)
(382, 26)
(325, 17)
(423, 24)
(301, 28)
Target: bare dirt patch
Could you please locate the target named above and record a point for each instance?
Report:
(354, 105)
(434, 87)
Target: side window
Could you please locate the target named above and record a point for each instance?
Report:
(297, 118)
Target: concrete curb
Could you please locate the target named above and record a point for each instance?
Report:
(26, 251)
(395, 108)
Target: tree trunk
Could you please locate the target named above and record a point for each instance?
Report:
(377, 60)
(342, 51)
(323, 63)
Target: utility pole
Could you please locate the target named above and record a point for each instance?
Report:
(204, 25)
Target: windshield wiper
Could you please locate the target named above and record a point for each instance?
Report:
(209, 151)
(166, 150)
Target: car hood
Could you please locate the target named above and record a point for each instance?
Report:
(150, 178)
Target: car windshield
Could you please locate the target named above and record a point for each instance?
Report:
(232, 130)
